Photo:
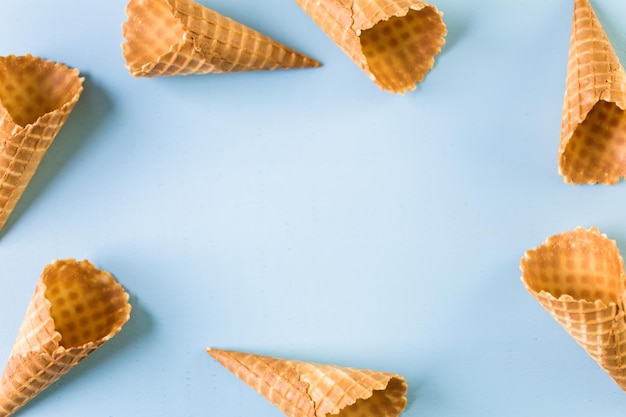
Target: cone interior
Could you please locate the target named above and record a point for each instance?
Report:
(583, 264)
(150, 32)
(31, 87)
(86, 304)
(596, 151)
(383, 403)
(400, 51)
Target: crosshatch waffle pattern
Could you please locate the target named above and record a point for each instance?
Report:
(36, 98)
(181, 37)
(393, 42)
(593, 132)
(351, 392)
(301, 389)
(578, 277)
(74, 310)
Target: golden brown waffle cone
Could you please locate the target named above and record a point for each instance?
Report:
(393, 41)
(593, 131)
(75, 309)
(301, 389)
(36, 97)
(181, 37)
(578, 277)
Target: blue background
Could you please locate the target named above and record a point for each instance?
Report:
(306, 214)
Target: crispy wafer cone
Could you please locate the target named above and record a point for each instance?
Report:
(301, 389)
(36, 97)
(578, 277)
(75, 309)
(393, 41)
(181, 37)
(593, 131)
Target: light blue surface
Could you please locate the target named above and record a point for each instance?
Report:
(307, 214)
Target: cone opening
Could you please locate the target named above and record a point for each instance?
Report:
(86, 304)
(388, 402)
(30, 87)
(401, 50)
(596, 152)
(150, 32)
(583, 264)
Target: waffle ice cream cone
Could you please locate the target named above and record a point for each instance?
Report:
(74, 310)
(36, 97)
(578, 277)
(181, 37)
(301, 389)
(593, 130)
(393, 41)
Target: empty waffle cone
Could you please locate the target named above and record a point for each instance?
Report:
(74, 310)
(181, 37)
(393, 41)
(593, 131)
(36, 97)
(578, 277)
(301, 389)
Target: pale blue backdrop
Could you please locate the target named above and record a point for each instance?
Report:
(309, 215)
